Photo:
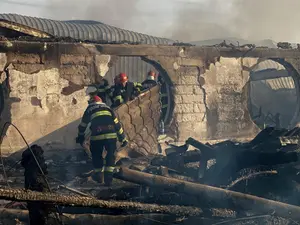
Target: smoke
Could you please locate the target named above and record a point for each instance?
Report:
(118, 13)
(251, 20)
(274, 19)
(198, 20)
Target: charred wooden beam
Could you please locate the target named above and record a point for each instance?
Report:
(206, 150)
(92, 219)
(207, 153)
(44, 45)
(216, 197)
(249, 158)
(176, 161)
(21, 195)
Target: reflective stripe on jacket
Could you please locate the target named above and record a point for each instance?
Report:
(123, 94)
(104, 124)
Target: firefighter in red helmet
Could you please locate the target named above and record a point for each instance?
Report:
(150, 81)
(125, 90)
(105, 131)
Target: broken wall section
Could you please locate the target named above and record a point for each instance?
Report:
(211, 100)
(46, 98)
(227, 98)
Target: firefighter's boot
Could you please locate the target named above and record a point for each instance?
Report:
(108, 175)
(108, 178)
(98, 177)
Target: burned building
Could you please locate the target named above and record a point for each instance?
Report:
(43, 80)
(17, 26)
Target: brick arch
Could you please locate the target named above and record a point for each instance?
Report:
(167, 117)
(296, 77)
(293, 74)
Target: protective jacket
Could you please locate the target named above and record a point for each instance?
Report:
(114, 98)
(104, 124)
(103, 90)
(147, 84)
(123, 94)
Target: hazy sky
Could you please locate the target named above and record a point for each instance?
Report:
(187, 20)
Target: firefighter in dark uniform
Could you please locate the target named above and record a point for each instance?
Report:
(105, 130)
(35, 181)
(112, 92)
(150, 81)
(103, 89)
(125, 90)
(163, 96)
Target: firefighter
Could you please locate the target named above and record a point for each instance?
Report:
(112, 93)
(103, 89)
(163, 96)
(35, 181)
(105, 130)
(150, 81)
(126, 90)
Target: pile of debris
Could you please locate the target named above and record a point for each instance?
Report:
(227, 183)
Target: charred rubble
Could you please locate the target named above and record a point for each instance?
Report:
(255, 182)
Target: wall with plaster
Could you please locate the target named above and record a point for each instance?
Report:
(46, 102)
(211, 101)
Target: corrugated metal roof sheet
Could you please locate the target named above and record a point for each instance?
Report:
(284, 82)
(268, 64)
(93, 30)
(134, 67)
(84, 30)
(281, 83)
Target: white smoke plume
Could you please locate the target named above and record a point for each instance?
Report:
(262, 19)
(120, 13)
(198, 20)
(251, 20)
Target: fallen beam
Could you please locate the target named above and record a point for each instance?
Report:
(91, 219)
(217, 197)
(205, 149)
(176, 161)
(22, 195)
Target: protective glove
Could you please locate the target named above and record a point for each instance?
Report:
(80, 140)
(124, 143)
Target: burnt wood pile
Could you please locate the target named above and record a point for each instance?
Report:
(197, 183)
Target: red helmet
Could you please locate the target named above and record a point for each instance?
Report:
(97, 98)
(123, 77)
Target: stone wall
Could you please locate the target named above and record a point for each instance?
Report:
(45, 92)
(46, 98)
(211, 102)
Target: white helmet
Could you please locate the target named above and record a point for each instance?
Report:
(91, 90)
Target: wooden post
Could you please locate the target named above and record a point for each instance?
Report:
(217, 197)
(32, 196)
(91, 219)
